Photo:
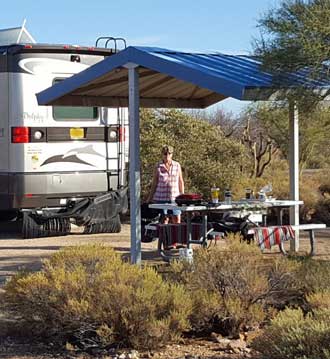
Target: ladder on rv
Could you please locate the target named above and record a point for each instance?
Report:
(121, 122)
(110, 39)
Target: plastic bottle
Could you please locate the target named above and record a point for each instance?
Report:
(262, 196)
(227, 197)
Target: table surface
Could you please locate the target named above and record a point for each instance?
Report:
(236, 205)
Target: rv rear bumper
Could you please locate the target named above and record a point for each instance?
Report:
(27, 191)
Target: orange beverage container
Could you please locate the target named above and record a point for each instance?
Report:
(215, 194)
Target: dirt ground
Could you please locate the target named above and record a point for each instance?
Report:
(16, 253)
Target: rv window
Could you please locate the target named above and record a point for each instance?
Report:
(62, 113)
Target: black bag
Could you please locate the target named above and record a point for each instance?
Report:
(148, 216)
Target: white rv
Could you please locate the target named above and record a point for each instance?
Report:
(58, 165)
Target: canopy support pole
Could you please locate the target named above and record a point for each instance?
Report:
(294, 170)
(134, 162)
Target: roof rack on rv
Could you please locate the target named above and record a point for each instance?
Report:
(15, 35)
(54, 48)
(18, 39)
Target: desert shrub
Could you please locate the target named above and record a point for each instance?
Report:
(314, 193)
(322, 211)
(310, 195)
(324, 180)
(242, 285)
(311, 279)
(285, 289)
(325, 189)
(277, 174)
(313, 275)
(206, 305)
(292, 335)
(90, 287)
(319, 300)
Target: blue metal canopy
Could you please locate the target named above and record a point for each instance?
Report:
(167, 79)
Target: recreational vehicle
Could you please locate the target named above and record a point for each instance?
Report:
(58, 165)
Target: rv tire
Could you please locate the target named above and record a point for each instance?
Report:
(112, 225)
(52, 227)
(30, 228)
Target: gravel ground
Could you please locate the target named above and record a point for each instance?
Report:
(16, 253)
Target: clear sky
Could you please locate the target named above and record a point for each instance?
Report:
(227, 26)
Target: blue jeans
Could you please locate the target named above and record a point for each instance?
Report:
(174, 212)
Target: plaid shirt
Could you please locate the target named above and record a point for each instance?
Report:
(168, 182)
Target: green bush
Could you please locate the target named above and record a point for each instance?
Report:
(90, 287)
(277, 173)
(292, 335)
(313, 275)
(319, 300)
(240, 282)
(207, 157)
(206, 306)
(314, 192)
(205, 303)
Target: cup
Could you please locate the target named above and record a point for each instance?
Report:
(215, 193)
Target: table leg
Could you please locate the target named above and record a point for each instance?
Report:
(279, 216)
(312, 241)
(204, 230)
(264, 220)
(189, 229)
(280, 223)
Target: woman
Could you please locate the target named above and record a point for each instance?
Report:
(167, 182)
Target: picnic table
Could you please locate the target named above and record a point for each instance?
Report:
(241, 205)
